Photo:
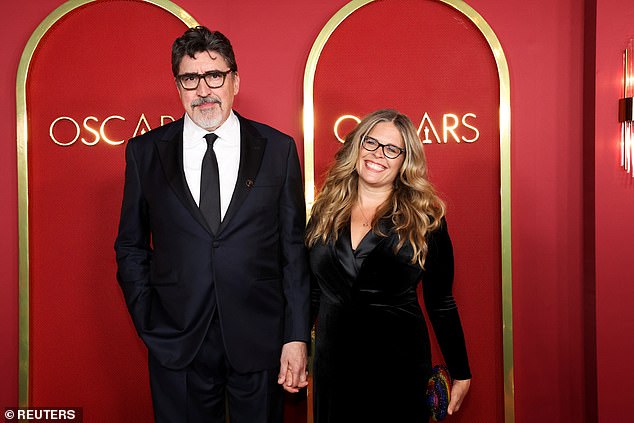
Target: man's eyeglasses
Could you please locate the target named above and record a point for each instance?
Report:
(213, 79)
(390, 151)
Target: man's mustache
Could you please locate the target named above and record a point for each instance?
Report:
(203, 100)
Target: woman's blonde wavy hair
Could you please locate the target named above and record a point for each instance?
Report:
(413, 206)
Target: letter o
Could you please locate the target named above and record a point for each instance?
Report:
(50, 131)
(338, 122)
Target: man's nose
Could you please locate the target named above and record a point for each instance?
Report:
(203, 89)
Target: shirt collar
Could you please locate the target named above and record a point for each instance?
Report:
(192, 133)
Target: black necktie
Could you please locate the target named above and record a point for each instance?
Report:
(210, 186)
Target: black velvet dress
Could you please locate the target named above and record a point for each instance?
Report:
(372, 351)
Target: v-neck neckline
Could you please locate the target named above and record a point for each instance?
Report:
(360, 241)
(366, 244)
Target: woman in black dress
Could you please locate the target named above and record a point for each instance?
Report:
(377, 229)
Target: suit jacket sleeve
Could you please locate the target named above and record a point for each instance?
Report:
(296, 283)
(132, 246)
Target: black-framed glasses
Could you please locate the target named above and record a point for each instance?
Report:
(390, 151)
(213, 79)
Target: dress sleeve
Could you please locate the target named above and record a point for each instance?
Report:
(441, 307)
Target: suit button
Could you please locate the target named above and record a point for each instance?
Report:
(215, 244)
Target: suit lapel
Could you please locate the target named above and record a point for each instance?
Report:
(252, 147)
(170, 151)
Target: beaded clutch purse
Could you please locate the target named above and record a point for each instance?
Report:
(438, 392)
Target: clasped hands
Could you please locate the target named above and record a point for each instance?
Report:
(293, 375)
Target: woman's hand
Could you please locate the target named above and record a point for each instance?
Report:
(458, 393)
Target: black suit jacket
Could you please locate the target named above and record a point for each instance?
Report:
(175, 274)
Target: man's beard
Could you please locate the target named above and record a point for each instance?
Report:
(207, 118)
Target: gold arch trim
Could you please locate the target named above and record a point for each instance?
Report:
(505, 163)
(23, 176)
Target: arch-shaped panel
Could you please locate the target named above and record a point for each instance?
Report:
(83, 69)
(324, 119)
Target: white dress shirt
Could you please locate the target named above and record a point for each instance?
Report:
(227, 149)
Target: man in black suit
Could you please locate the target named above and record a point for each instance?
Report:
(210, 250)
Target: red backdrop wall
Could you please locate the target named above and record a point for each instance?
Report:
(543, 41)
(614, 208)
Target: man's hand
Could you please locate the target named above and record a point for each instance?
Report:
(293, 374)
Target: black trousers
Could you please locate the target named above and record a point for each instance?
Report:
(201, 391)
